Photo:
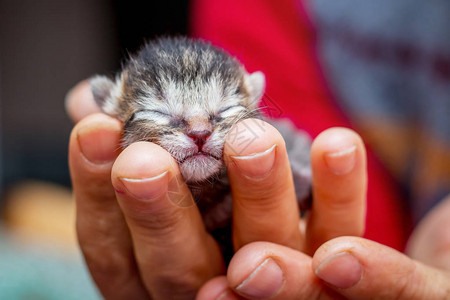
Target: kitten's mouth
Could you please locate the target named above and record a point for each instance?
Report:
(199, 154)
(199, 166)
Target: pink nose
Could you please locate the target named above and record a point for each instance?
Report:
(199, 137)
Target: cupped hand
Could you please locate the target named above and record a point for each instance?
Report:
(342, 268)
(329, 264)
(265, 209)
(142, 235)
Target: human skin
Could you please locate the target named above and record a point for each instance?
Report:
(137, 243)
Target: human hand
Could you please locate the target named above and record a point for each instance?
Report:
(129, 254)
(344, 267)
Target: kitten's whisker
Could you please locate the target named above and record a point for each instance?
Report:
(243, 115)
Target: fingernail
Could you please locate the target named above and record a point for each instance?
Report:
(341, 162)
(341, 270)
(258, 165)
(99, 144)
(264, 282)
(146, 188)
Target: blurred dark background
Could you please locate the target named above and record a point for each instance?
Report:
(46, 47)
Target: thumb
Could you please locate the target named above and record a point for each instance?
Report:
(361, 269)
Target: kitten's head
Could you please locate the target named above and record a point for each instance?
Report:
(185, 96)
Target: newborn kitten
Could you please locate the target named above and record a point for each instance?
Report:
(185, 95)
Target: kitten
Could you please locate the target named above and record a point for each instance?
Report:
(185, 95)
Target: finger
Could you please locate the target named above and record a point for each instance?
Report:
(264, 203)
(338, 161)
(174, 252)
(430, 241)
(80, 102)
(217, 288)
(361, 269)
(101, 229)
(264, 270)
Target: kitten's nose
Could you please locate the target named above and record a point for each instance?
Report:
(199, 137)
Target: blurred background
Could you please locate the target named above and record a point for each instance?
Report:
(46, 47)
(386, 62)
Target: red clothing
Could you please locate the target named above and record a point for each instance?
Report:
(277, 38)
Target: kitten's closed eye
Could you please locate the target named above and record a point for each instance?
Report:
(153, 111)
(226, 112)
(230, 110)
(157, 116)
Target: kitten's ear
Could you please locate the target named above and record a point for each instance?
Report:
(256, 85)
(104, 92)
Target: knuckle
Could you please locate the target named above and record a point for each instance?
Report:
(106, 245)
(409, 283)
(162, 222)
(263, 197)
(180, 281)
(105, 262)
